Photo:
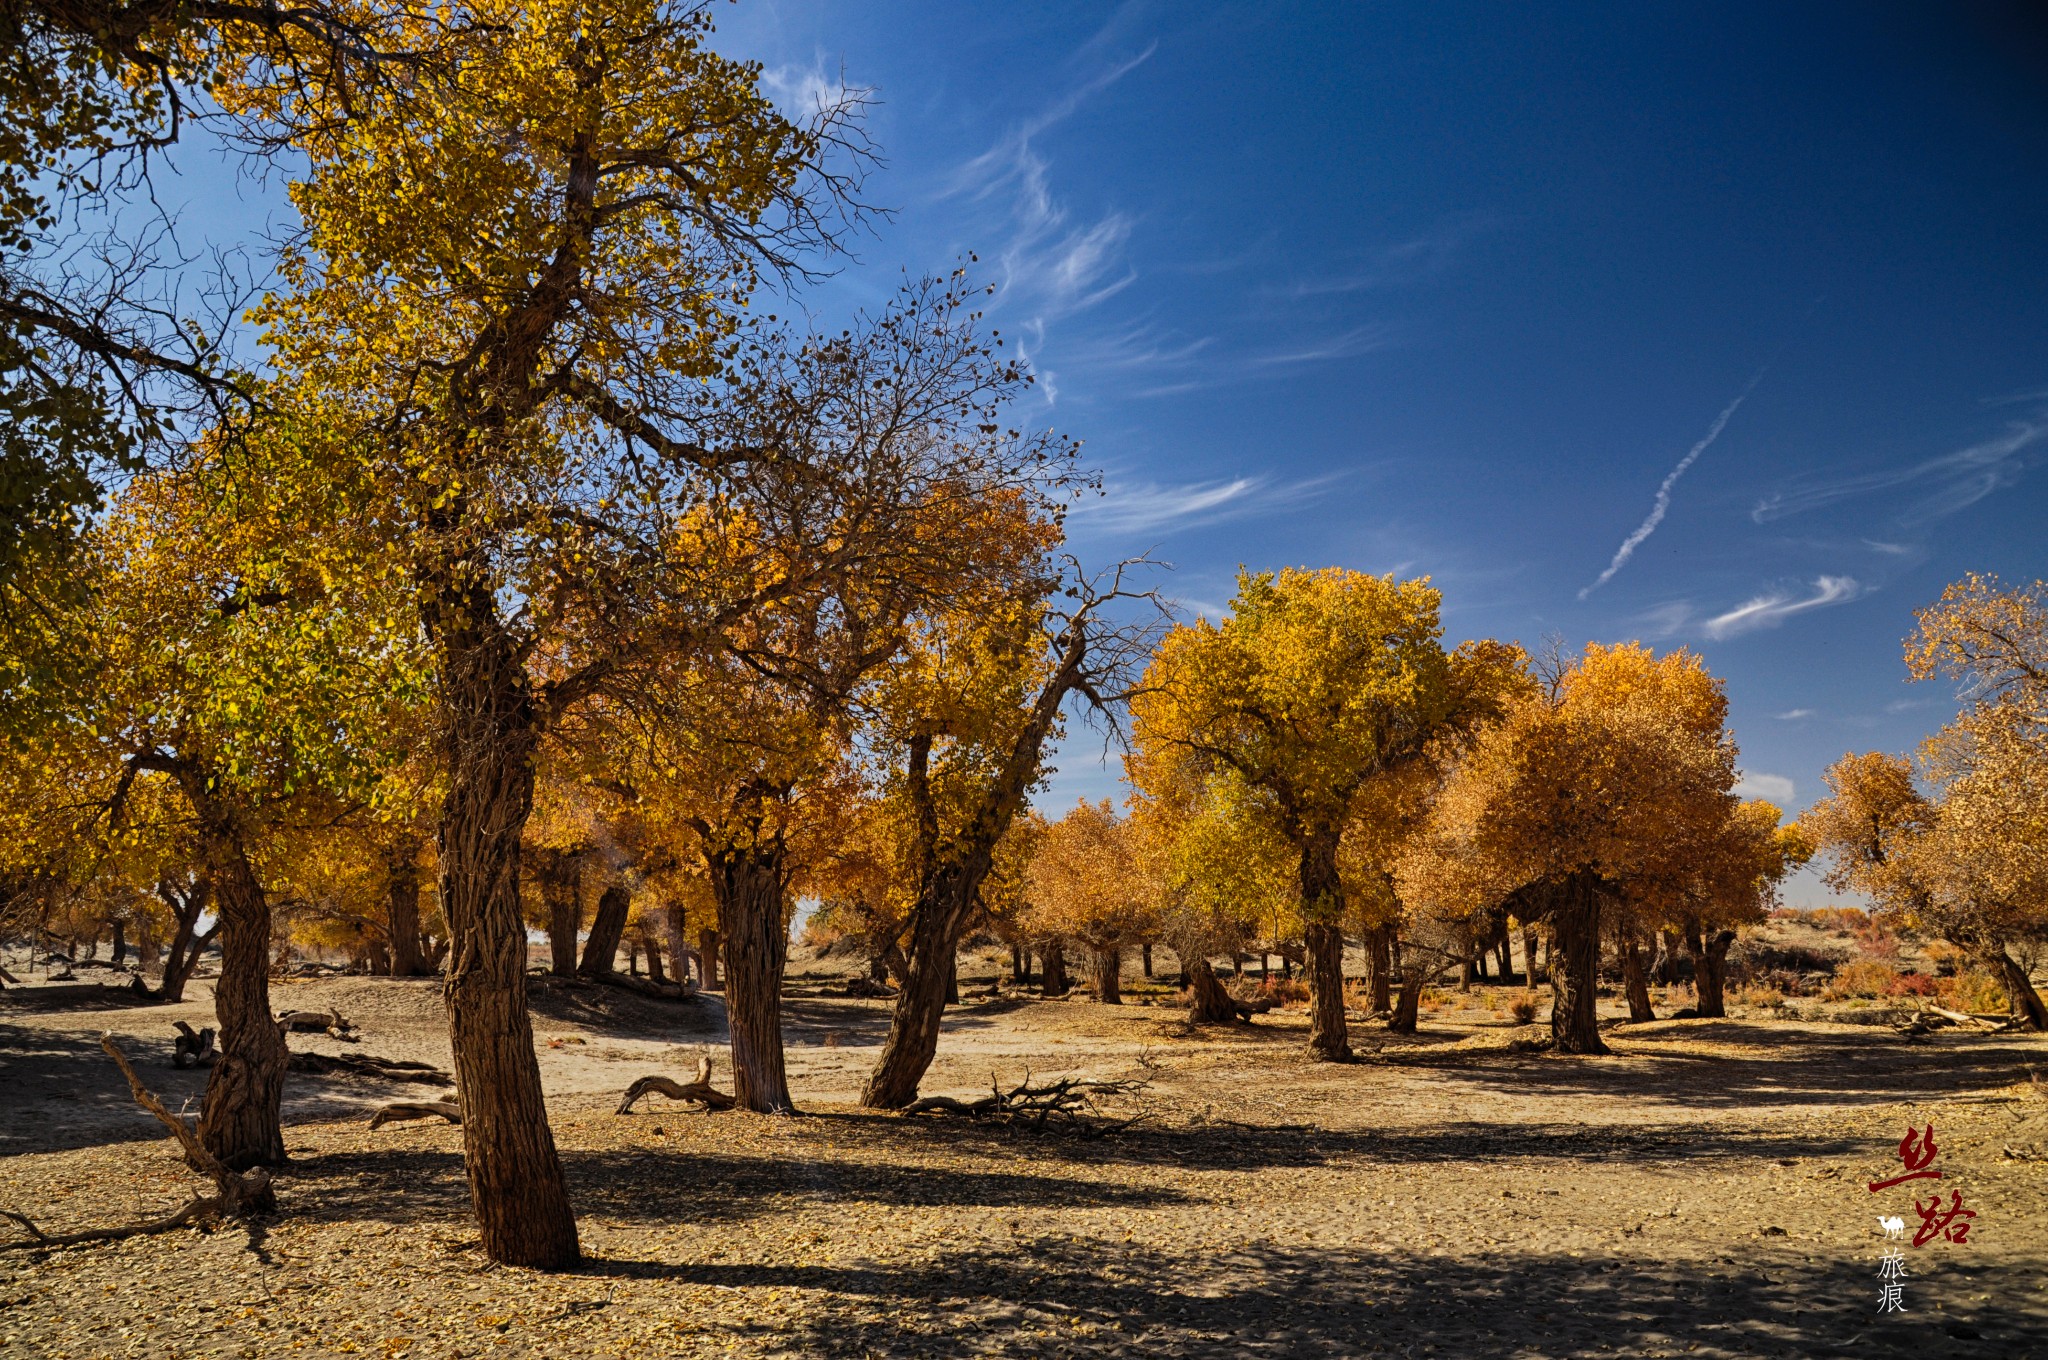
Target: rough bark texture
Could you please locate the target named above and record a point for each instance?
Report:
(2025, 1002)
(1710, 971)
(240, 1122)
(1532, 972)
(1109, 967)
(560, 875)
(1322, 896)
(679, 951)
(402, 898)
(655, 972)
(749, 885)
(1635, 976)
(607, 929)
(490, 727)
(1575, 968)
(1053, 968)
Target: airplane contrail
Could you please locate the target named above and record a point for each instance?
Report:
(1663, 502)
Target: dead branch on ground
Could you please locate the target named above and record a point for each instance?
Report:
(399, 1110)
(1068, 1105)
(235, 1195)
(367, 1065)
(700, 1090)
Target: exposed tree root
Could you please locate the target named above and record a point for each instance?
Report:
(365, 1065)
(1067, 1105)
(236, 1195)
(699, 1090)
(400, 1110)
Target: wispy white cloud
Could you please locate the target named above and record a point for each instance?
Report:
(1051, 267)
(1138, 507)
(1664, 620)
(1890, 549)
(1357, 340)
(1793, 714)
(1662, 503)
(1775, 787)
(1417, 258)
(1959, 479)
(1771, 609)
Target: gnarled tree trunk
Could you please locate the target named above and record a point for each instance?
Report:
(707, 952)
(1408, 1008)
(239, 1123)
(936, 922)
(1322, 901)
(750, 886)
(1635, 976)
(1379, 967)
(560, 875)
(1109, 968)
(607, 929)
(402, 910)
(1575, 967)
(488, 736)
(1710, 970)
(1053, 968)
(2023, 1001)
(1208, 1003)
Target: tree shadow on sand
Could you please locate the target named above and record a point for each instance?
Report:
(1059, 1295)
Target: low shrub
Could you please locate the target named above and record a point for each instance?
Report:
(1754, 959)
(1757, 994)
(1522, 1009)
(1971, 990)
(1873, 979)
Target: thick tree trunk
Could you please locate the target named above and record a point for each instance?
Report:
(239, 1123)
(654, 968)
(750, 886)
(708, 951)
(1575, 968)
(607, 929)
(2023, 1001)
(1109, 968)
(1710, 971)
(953, 977)
(1053, 968)
(1379, 967)
(1146, 954)
(1532, 971)
(120, 941)
(515, 1175)
(402, 918)
(1208, 1003)
(936, 921)
(1322, 905)
(560, 874)
(1408, 1008)
(1635, 976)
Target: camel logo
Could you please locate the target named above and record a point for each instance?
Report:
(1893, 1225)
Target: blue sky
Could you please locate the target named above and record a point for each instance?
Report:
(1487, 293)
(1455, 290)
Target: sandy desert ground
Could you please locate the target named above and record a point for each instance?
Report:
(1701, 1193)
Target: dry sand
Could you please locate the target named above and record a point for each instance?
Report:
(1701, 1193)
